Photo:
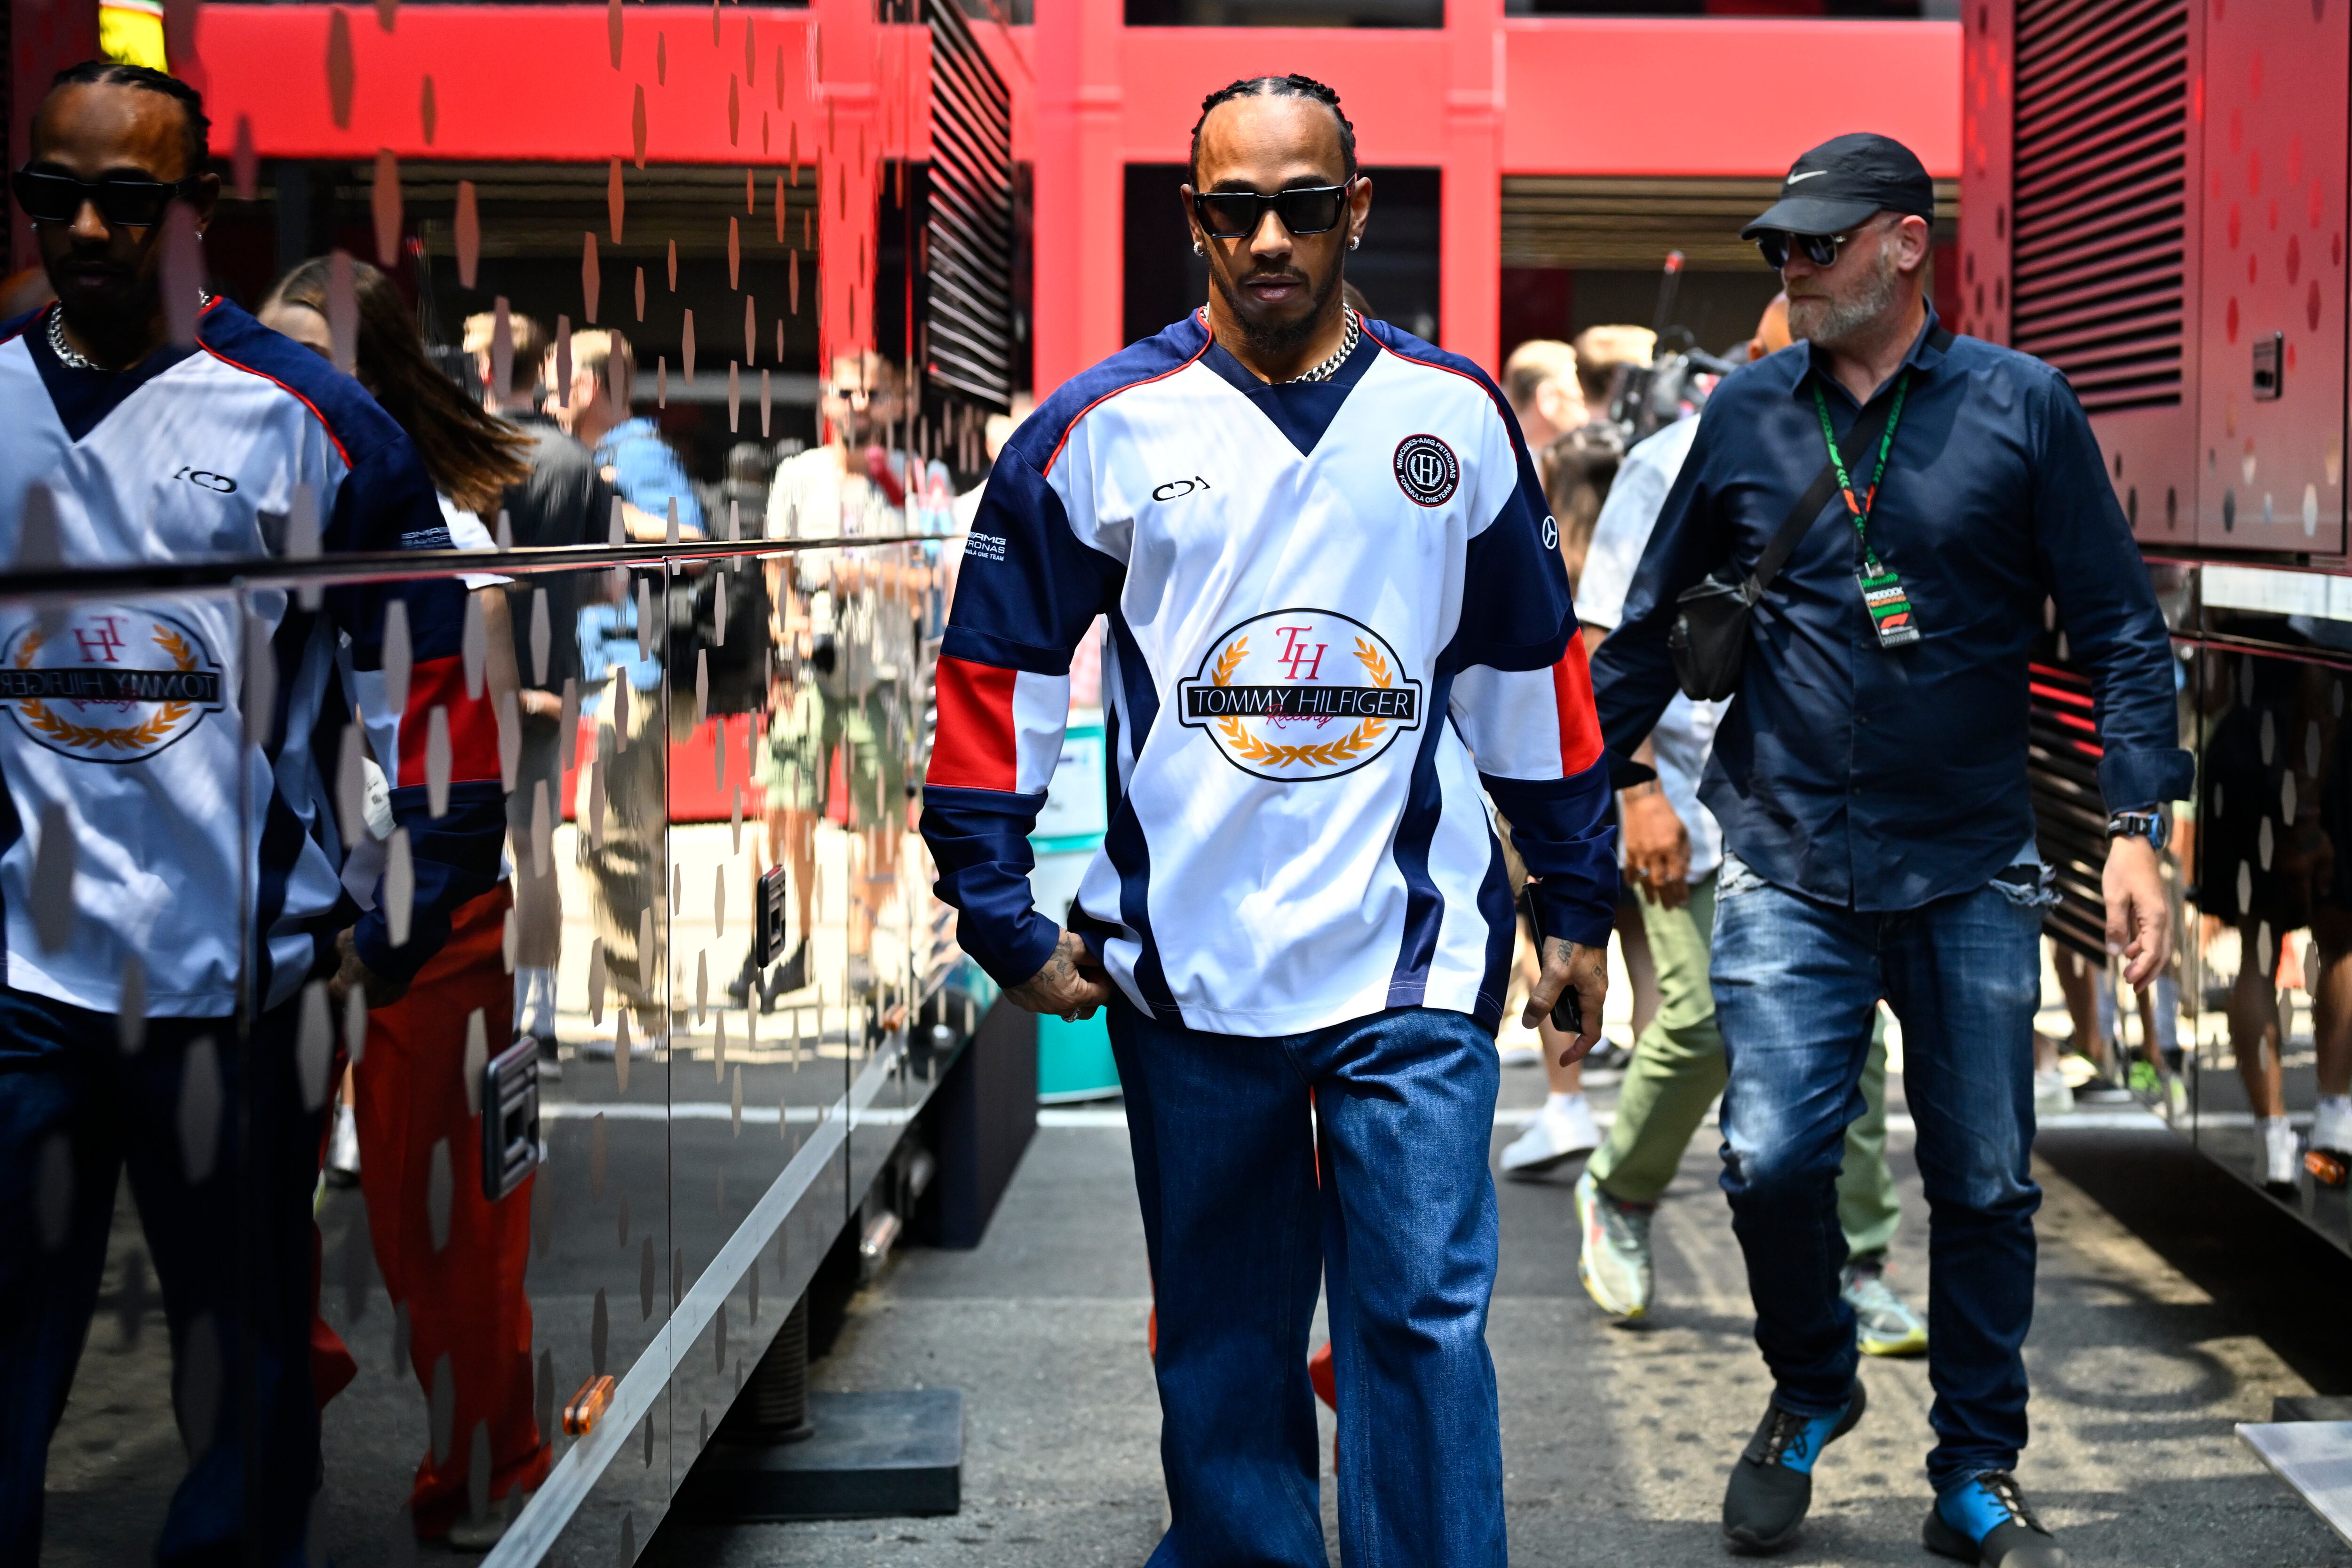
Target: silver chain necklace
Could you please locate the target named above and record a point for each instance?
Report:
(1328, 368)
(74, 359)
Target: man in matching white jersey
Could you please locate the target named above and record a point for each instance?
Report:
(171, 865)
(1338, 622)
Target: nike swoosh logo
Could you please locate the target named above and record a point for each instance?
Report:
(1808, 175)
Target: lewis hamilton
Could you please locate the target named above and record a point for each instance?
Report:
(1338, 625)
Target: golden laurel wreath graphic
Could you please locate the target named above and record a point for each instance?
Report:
(89, 736)
(1331, 753)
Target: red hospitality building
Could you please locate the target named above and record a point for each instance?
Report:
(1533, 168)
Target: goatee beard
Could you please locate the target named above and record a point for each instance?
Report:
(116, 331)
(1275, 339)
(1842, 319)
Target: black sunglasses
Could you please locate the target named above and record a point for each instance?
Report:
(136, 203)
(1821, 250)
(1304, 210)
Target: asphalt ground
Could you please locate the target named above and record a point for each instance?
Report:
(2173, 1301)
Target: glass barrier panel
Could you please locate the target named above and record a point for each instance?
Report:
(583, 1034)
(2270, 842)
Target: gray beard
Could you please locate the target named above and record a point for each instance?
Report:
(1277, 338)
(1841, 320)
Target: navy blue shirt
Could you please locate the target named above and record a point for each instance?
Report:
(1884, 779)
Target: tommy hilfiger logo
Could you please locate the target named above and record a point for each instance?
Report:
(112, 685)
(1296, 694)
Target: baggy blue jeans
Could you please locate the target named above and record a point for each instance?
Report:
(221, 1169)
(1796, 981)
(1403, 1230)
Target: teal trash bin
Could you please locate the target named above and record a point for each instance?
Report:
(1074, 1059)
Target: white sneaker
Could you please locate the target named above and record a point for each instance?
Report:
(2279, 1161)
(2052, 1096)
(1562, 1130)
(343, 1149)
(1523, 1054)
(2332, 1128)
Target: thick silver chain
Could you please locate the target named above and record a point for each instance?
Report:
(74, 359)
(1328, 368)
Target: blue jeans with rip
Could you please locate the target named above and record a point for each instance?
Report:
(1402, 1228)
(1796, 981)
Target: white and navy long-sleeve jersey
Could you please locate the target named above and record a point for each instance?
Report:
(1336, 609)
(209, 858)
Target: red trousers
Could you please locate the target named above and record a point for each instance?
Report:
(464, 1300)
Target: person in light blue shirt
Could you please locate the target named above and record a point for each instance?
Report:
(593, 403)
(629, 766)
(642, 467)
(647, 471)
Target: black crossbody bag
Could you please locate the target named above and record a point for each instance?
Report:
(1709, 636)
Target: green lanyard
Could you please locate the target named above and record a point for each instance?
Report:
(1860, 510)
(1883, 593)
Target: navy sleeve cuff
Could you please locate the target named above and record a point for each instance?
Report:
(1624, 772)
(372, 940)
(1577, 909)
(1559, 828)
(1009, 957)
(2137, 778)
(979, 841)
(455, 860)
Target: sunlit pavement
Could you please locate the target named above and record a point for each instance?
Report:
(1616, 1440)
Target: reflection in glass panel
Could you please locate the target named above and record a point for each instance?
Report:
(2274, 915)
(2115, 1056)
(126, 762)
(513, 1229)
(548, 1163)
(2246, 1044)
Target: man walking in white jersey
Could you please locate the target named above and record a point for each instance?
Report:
(183, 749)
(1337, 610)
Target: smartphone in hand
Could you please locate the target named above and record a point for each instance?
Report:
(1568, 1013)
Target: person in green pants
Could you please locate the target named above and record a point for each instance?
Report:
(1673, 854)
(1676, 1071)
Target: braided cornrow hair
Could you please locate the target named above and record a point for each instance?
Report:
(115, 73)
(1291, 86)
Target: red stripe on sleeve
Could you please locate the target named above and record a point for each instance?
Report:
(473, 728)
(975, 747)
(1580, 726)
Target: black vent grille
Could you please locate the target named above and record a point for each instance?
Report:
(2099, 267)
(2062, 755)
(968, 259)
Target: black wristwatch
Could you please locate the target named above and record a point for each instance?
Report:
(2155, 825)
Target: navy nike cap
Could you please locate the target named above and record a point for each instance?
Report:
(1843, 181)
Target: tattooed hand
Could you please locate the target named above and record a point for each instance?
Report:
(1566, 965)
(1071, 986)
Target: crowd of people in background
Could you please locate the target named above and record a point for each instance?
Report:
(1670, 1070)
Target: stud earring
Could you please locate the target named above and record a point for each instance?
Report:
(1199, 249)
(1353, 244)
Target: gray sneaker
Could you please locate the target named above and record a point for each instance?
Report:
(1883, 1323)
(1614, 1263)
